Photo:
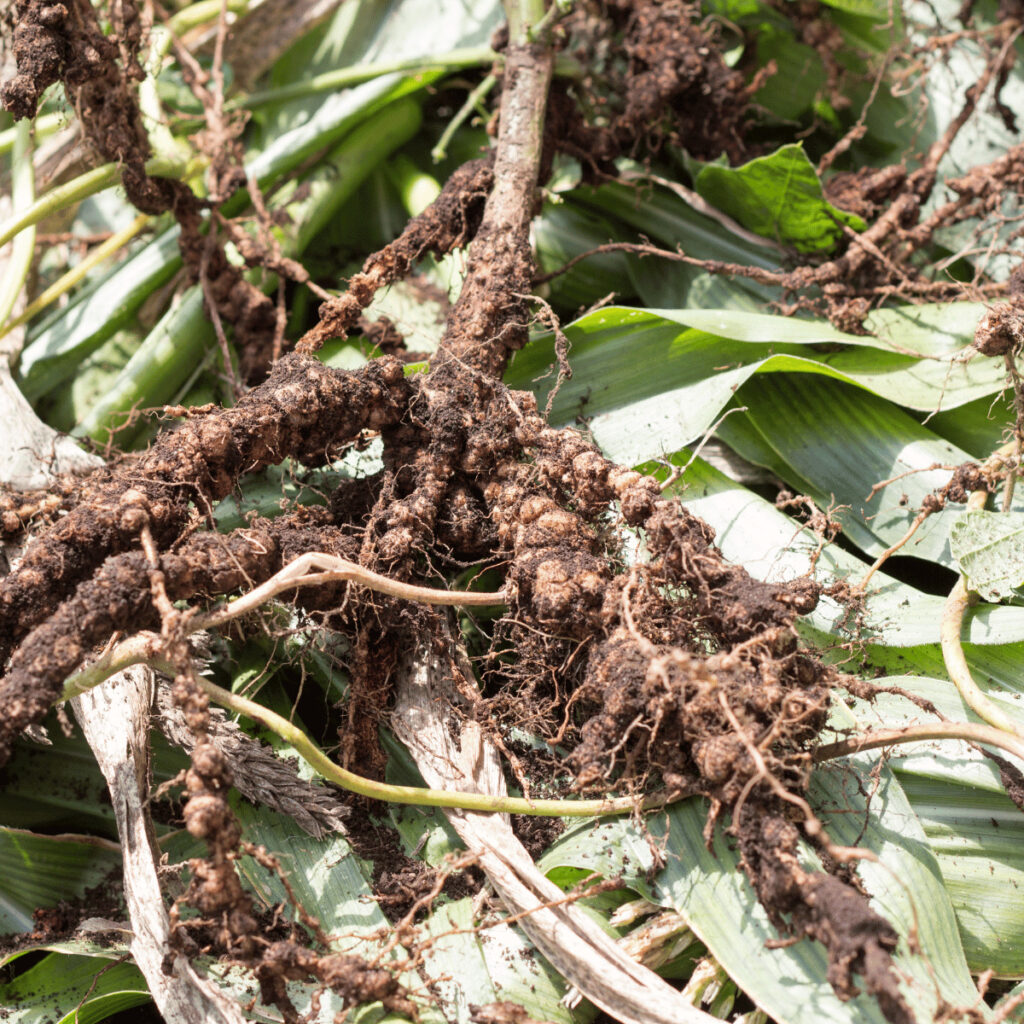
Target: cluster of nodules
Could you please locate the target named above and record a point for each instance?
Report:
(214, 888)
(1000, 332)
(85, 577)
(685, 667)
(19, 509)
(664, 79)
(226, 921)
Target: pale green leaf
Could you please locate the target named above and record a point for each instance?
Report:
(837, 444)
(790, 984)
(40, 871)
(866, 8)
(975, 832)
(72, 990)
(64, 339)
(989, 549)
(703, 356)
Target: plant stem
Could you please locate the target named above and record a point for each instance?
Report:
(67, 281)
(415, 188)
(969, 732)
(58, 198)
(330, 81)
(412, 795)
(523, 16)
(440, 151)
(145, 649)
(43, 126)
(23, 191)
(199, 13)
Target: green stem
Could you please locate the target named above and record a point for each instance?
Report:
(968, 732)
(144, 649)
(440, 151)
(199, 13)
(57, 199)
(953, 653)
(523, 16)
(413, 795)
(178, 343)
(23, 192)
(43, 127)
(330, 81)
(67, 281)
(82, 187)
(540, 29)
(416, 188)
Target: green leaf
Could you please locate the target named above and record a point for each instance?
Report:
(703, 356)
(457, 962)
(865, 8)
(567, 230)
(328, 879)
(72, 990)
(790, 984)
(799, 79)
(40, 871)
(96, 312)
(974, 830)
(56, 788)
(778, 197)
(664, 217)
(837, 444)
(989, 549)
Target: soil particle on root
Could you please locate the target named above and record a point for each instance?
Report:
(118, 597)
(450, 221)
(304, 410)
(825, 908)
(1001, 330)
(40, 49)
(347, 976)
(675, 85)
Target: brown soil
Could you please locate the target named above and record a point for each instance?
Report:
(399, 881)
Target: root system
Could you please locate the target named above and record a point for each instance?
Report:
(681, 672)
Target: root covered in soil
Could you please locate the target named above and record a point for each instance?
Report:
(682, 671)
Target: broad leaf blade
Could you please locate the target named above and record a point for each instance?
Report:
(40, 871)
(989, 549)
(779, 197)
(72, 990)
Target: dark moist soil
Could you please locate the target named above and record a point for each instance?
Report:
(399, 880)
(55, 924)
